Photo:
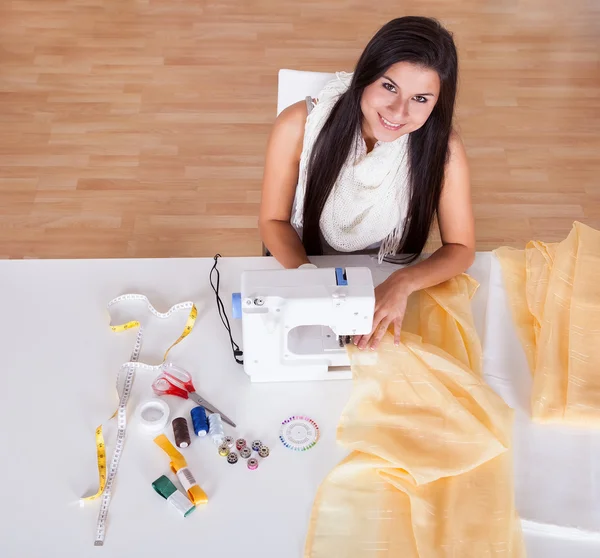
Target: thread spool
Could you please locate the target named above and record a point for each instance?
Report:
(199, 421)
(181, 432)
(252, 464)
(215, 430)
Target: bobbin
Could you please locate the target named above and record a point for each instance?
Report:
(228, 441)
(263, 451)
(256, 445)
(240, 443)
(232, 458)
(223, 450)
(252, 464)
(246, 452)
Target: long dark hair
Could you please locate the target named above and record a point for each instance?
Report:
(419, 40)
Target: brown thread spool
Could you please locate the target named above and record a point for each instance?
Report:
(181, 432)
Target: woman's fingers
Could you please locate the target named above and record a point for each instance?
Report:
(364, 339)
(361, 341)
(379, 333)
(397, 329)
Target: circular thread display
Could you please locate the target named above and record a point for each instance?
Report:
(252, 464)
(153, 421)
(246, 452)
(299, 433)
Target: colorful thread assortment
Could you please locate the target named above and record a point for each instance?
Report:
(299, 433)
(245, 451)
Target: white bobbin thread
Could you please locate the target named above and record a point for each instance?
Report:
(215, 429)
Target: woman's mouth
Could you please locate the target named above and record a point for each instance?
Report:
(388, 125)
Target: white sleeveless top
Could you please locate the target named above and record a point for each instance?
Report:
(368, 204)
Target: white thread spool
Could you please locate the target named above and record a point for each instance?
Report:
(153, 415)
(215, 428)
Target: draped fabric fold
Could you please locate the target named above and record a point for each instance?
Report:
(554, 295)
(430, 469)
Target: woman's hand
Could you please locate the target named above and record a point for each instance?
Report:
(390, 304)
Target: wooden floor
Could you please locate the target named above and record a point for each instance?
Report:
(136, 128)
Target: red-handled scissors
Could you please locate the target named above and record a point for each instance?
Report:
(176, 381)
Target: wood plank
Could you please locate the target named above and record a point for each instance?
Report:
(138, 129)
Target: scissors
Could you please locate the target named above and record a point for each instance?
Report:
(175, 381)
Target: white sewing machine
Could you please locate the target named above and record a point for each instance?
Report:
(296, 322)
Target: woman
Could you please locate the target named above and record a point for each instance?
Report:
(371, 163)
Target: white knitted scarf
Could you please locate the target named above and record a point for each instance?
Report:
(369, 200)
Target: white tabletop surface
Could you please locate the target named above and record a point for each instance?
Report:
(60, 365)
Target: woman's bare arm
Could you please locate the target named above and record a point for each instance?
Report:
(279, 187)
(455, 216)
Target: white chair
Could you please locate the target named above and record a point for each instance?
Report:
(295, 85)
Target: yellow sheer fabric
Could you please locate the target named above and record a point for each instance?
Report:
(554, 295)
(430, 469)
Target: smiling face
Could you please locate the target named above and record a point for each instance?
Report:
(399, 102)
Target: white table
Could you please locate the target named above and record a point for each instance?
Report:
(60, 363)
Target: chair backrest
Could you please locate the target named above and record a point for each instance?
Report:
(296, 85)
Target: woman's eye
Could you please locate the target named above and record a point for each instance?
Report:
(420, 99)
(389, 87)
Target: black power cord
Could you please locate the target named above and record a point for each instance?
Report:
(237, 352)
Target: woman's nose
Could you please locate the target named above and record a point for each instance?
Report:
(399, 110)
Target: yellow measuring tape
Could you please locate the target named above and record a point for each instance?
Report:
(179, 467)
(100, 445)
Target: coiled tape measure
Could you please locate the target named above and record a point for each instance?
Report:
(107, 477)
